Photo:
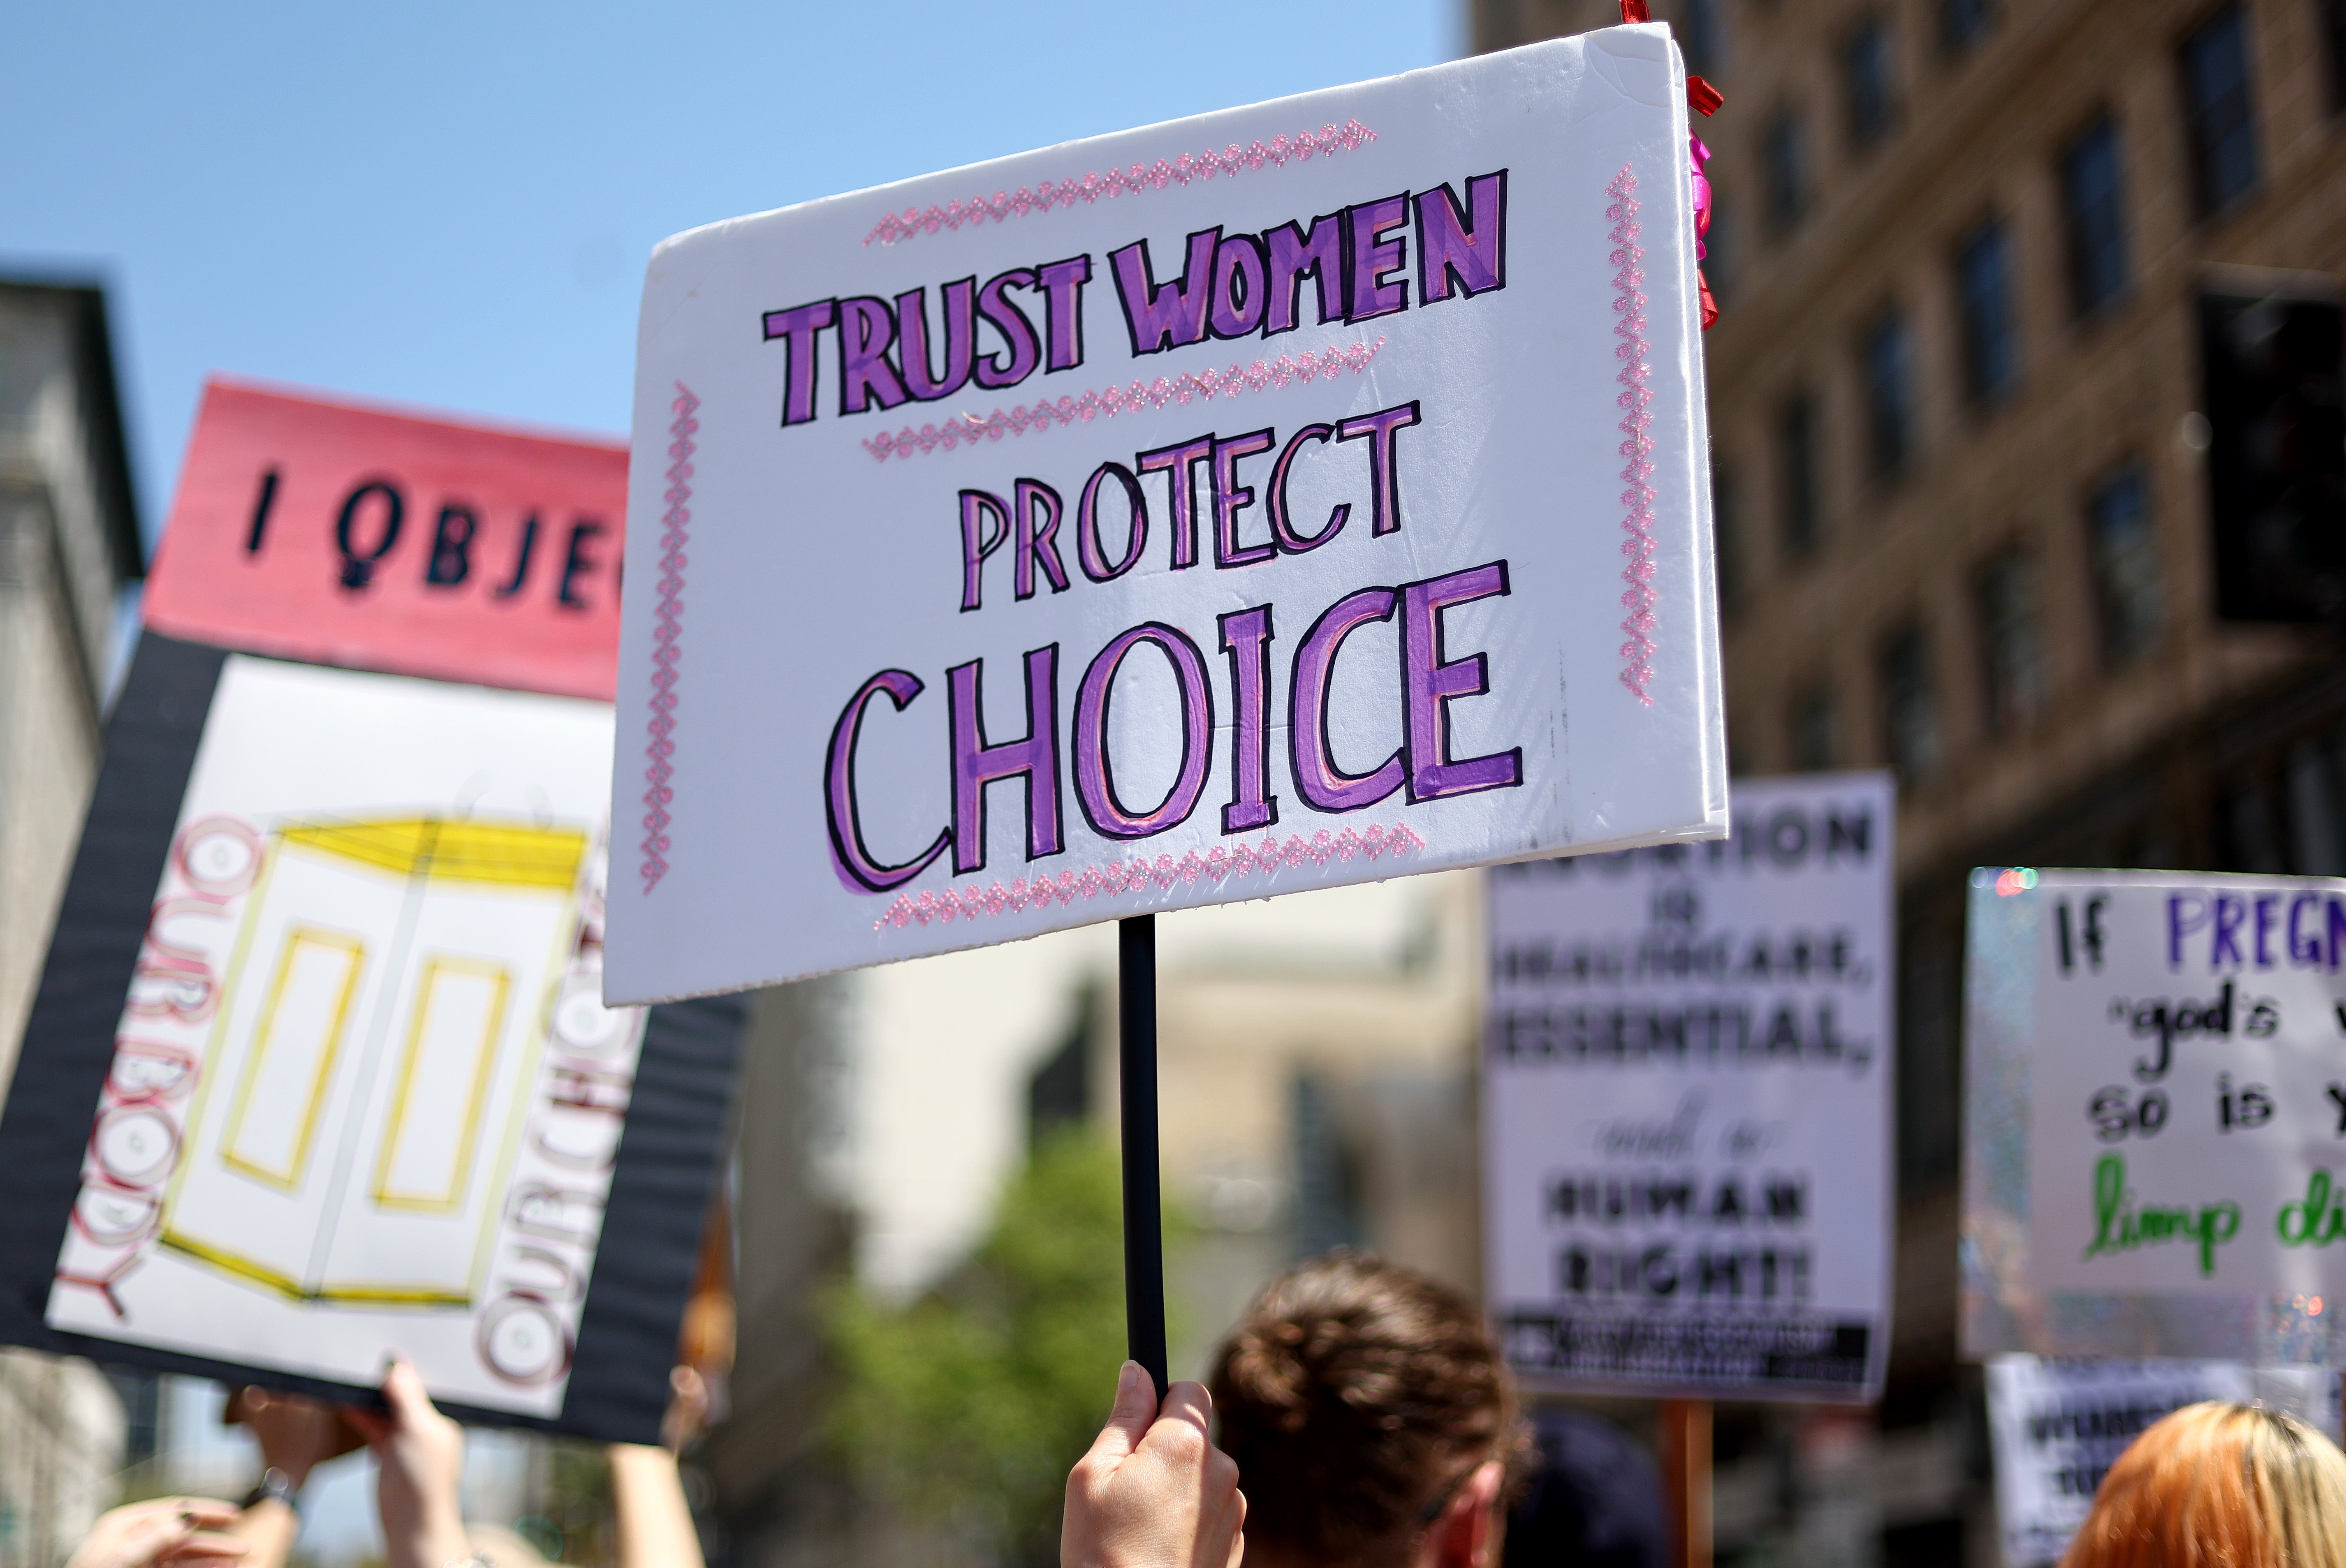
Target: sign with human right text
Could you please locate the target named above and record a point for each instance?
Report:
(1687, 1074)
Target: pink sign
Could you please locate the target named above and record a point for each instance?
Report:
(335, 534)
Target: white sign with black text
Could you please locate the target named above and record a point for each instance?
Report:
(1686, 1105)
(2057, 1424)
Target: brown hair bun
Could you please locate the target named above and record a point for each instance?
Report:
(1354, 1394)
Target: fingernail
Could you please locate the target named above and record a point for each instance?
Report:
(1128, 1380)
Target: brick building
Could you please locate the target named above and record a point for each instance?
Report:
(1963, 436)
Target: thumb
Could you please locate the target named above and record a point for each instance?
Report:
(1129, 1420)
(403, 1390)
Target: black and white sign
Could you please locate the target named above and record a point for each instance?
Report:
(1686, 1105)
(2057, 1425)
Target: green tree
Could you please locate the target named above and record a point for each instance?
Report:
(967, 1406)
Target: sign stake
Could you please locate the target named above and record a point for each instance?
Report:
(1685, 1480)
(1144, 1220)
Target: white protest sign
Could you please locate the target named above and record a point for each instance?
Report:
(367, 1094)
(1295, 496)
(2056, 1425)
(2187, 1128)
(1686, 1105)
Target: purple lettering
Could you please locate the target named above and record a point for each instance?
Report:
(1063, 285)
(797, 327)
(1275, 499)
(1237, 286)
(1324, 785)
(1374, 261)
(1017, 331)
(1088, 554)
(1447, 249)
(1430, 681)
(2268, 916)
(859, 871)
(1177, 461)
(1294, 258)
(1034, 758)
(1037, 543)
(2304, 948)
(961, 339)
(2180, 925)
(2231, 913)
(1096, 779)
(1159, 316)
(1230, 498)
(866, 373)
(1384, 478)
(978, 542)
(1246, 634)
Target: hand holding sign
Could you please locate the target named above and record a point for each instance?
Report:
(1154, 1492)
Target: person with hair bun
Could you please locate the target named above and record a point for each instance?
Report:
(2220, 1486)
(1371, 1419)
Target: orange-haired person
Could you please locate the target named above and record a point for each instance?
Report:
(2220, 1486)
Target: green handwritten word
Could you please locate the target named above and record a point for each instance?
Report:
(2122, 1225)
(2319, 1220)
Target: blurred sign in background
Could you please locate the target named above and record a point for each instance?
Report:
(1686, 1105)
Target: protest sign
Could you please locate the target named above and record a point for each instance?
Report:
(319, 1067)
(2056, 1426)
(2156, 1126)
(1687, 1102)
(1289, 496)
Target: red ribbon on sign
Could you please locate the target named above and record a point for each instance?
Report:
(1706, 100)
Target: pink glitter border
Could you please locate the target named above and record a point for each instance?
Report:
(1216, 865)
(669, 618)
(1271, 375)
(1231, 160)
(1637, 447)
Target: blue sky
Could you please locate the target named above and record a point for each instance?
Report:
(451, 205)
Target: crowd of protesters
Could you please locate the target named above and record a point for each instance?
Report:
(1358, 1416)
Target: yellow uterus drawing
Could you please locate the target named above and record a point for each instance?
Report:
(367, 1076)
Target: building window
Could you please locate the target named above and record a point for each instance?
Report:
(1910, 722)
(1796, 475)
(1786, 145)
(2222, 117)
(2092, 202)
(2126, 591)
(1868, 90)
(2248, 832)
(1815, 734)
(1703, 35)
(1889, 408)
(1984, 282)
(2333, 34)
(1963, 23)
(2316, 828)
(2012, 641)
(1727, 535)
